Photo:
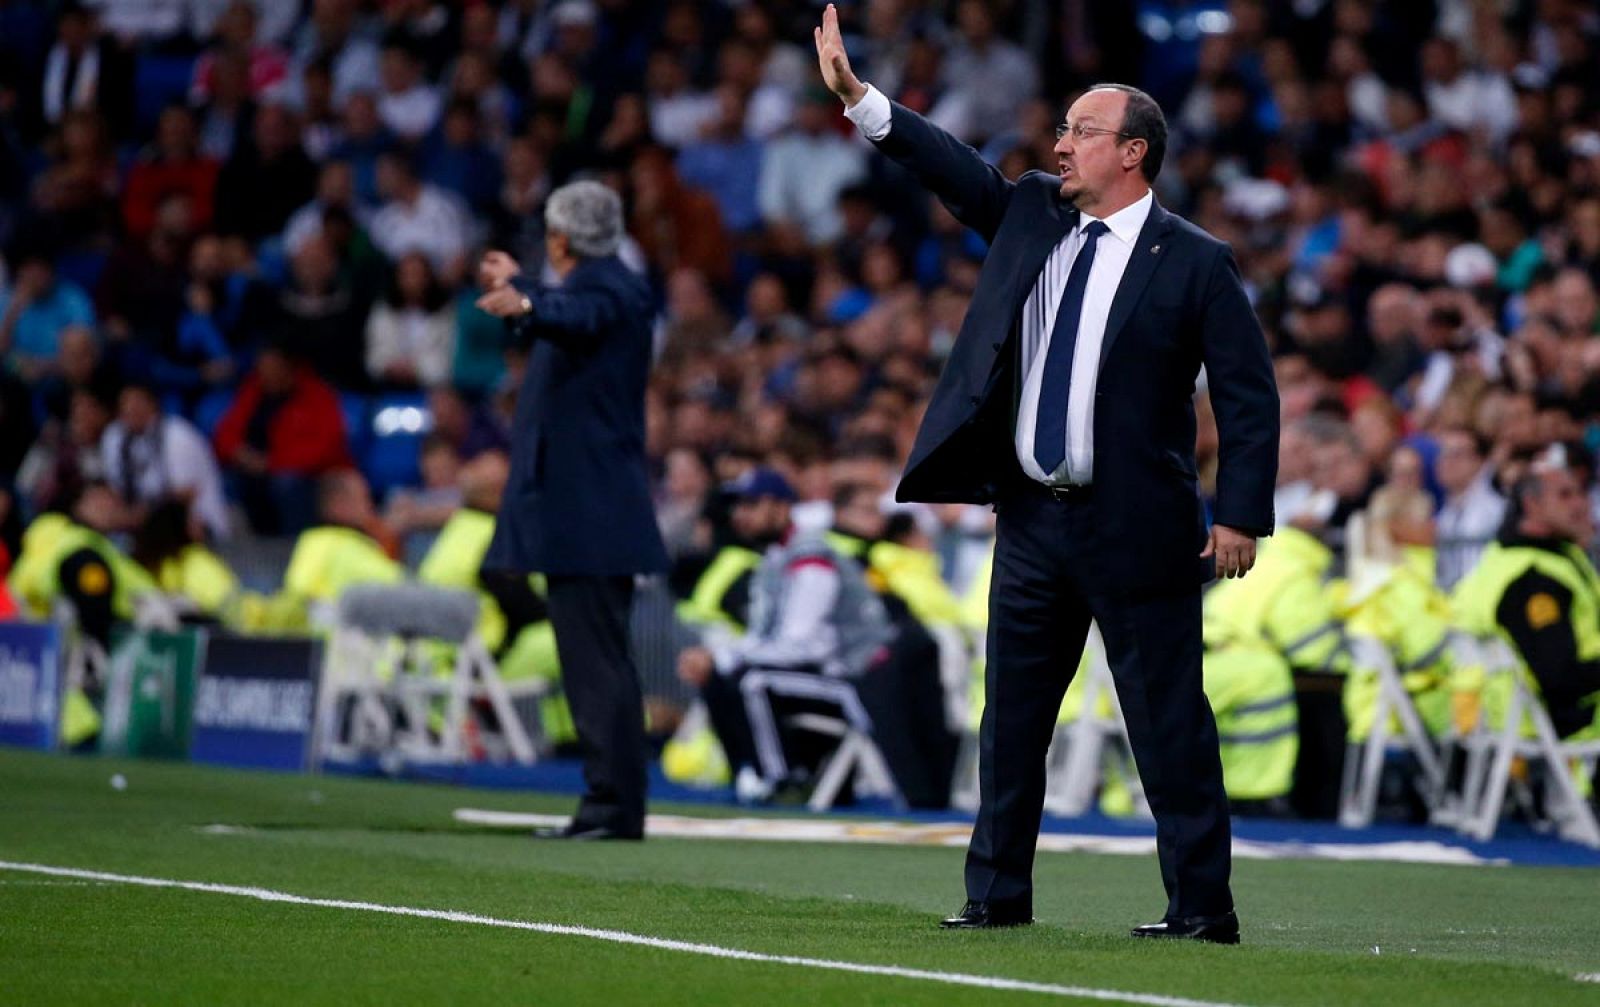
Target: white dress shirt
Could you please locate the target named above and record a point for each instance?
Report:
(1111, 255)
(872, 116)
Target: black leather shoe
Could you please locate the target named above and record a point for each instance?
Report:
(1212, 929)
(988, 915)
(586, 833)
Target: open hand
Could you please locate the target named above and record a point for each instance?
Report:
(1235, 551)
(834, 63)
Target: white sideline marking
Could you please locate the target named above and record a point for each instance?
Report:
(623, 937)
(956, 834)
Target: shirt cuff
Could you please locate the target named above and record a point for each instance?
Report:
(872, 114)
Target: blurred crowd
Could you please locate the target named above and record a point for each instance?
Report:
(235, 233)
(238, 241)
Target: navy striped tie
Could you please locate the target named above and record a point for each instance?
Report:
(1050, 428)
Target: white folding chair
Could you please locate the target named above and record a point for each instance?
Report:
(85, 660)
(1081, 751)
(955, 673)
(1492, 752)
(381, 686)
(855, 759)
(1363, 764)
(964, 780)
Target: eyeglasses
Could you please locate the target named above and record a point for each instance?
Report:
(1079, 131)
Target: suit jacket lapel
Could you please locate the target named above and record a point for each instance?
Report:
(1037, 244)
(1148, 252)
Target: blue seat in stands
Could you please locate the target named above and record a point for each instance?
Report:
(392, 458)
(159, 81)
(82, 266)
(357, 423)
(208, 412)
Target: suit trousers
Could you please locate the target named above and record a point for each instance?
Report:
(590, 616)
(1049, 580)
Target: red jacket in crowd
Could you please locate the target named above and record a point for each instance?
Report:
(306, 436)
(151, 181)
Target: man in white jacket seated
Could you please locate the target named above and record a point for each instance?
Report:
(812, 613)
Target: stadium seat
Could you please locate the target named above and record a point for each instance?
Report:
(159, 81)
(1525, 733)
(82, 266)
(392, 457)
(407, 678)
(209, 410)
(357, 425)
(855, 760)
(1092, 751)
(1363, 764)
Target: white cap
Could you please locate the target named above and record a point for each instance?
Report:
(575, 12)
(1585, 144)
(1255, 198)
(1470, 265)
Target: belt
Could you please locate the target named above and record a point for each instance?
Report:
(1074, 492)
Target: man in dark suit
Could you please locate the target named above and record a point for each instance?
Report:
(577, 506)
(1067, 402)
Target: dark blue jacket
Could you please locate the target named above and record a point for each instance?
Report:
(578, 500)
(1180, 304)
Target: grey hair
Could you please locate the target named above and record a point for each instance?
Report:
(1142, 120)
(589, 214)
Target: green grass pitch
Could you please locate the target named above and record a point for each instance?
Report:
(1443, 935)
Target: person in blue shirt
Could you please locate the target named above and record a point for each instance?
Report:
(34, 312)
(726, 162)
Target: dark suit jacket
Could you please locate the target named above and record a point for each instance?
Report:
(1180, 304)
(578, 500)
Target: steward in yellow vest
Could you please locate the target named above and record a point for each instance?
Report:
(1537, 589)
(900, 564)
(1399, 605)
(1251, 692)
(722, 594)
(171, 548)
(336, 555)
(63, 557)
(1286, 604)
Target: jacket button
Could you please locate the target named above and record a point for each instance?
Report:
(997, 347)
(973, 400)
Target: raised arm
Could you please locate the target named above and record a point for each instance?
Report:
(974, 190)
